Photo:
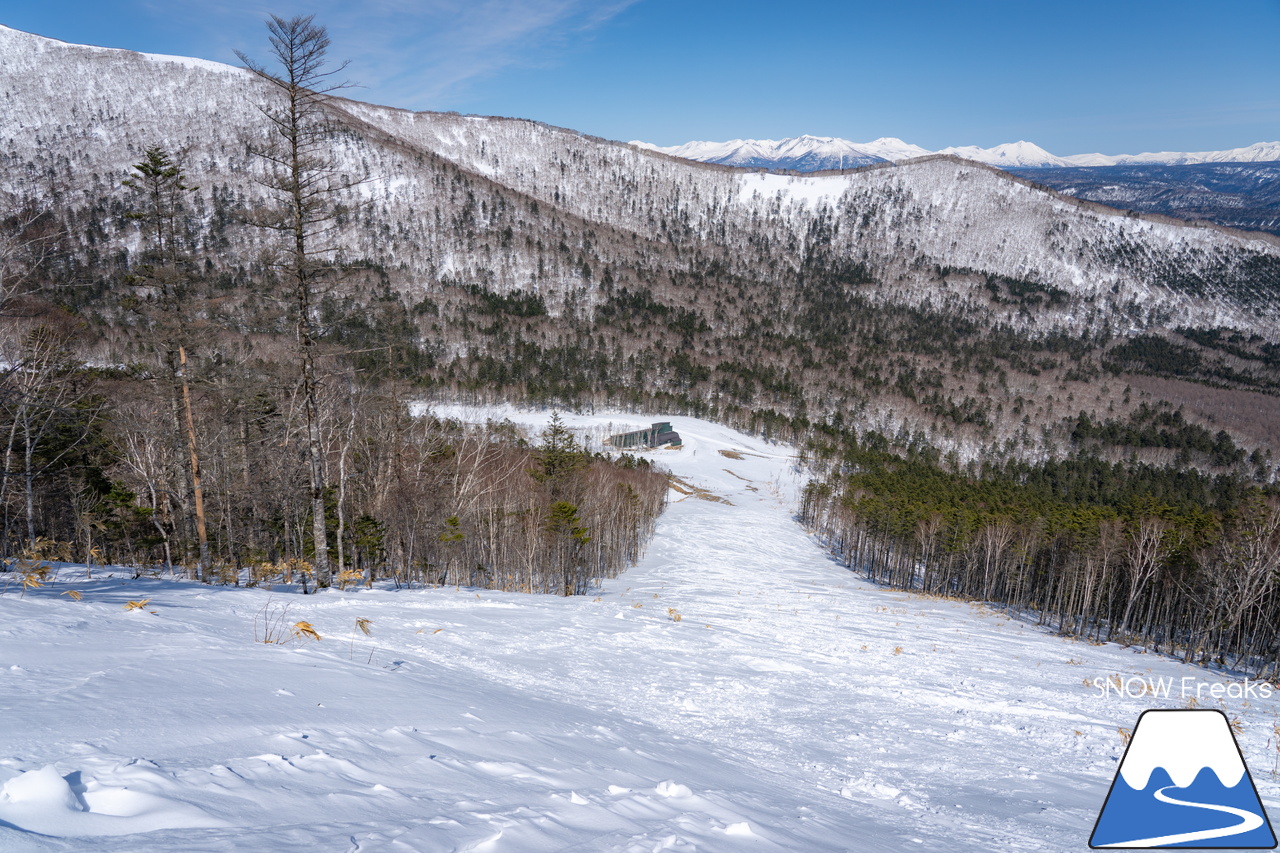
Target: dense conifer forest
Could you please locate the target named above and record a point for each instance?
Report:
(1165, 557)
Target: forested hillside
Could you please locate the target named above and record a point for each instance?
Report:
(199, 377)
(158, 328)
(1238, 195)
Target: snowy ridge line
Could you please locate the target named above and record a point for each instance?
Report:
(981, 225)
(1074, 201)
(187, 61)
(829, 151)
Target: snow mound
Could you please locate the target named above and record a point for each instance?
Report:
(673, 789)
(45, 802)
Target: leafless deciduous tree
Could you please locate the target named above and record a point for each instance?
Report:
(41, 392)
(1148, 545)
(304, 178)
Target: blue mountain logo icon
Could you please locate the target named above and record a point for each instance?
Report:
(1183, 783)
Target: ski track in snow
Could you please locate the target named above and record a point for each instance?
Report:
(792, 707)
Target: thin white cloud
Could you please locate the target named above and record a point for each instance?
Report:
(419, 60)
(417, 54)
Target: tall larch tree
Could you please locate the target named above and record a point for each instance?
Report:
(302, 175)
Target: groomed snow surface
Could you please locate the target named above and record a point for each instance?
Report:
(791, 707)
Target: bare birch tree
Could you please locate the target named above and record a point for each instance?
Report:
(1148, 545)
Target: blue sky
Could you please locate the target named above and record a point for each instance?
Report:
(1114, 77)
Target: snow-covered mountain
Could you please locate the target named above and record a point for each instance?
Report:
(815, 153)
(1259, 152)
(1007, 155)
(95, 115)
(801, 154)
(605, 233)
(1108, 179)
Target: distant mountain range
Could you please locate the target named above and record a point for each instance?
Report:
(1235, 188)
(803, 153)
(818, 153)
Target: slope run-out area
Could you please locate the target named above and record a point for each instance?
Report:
(735, 691)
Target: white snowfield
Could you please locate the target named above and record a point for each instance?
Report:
(735, 691)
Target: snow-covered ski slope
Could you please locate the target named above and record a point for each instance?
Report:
(792, 707)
